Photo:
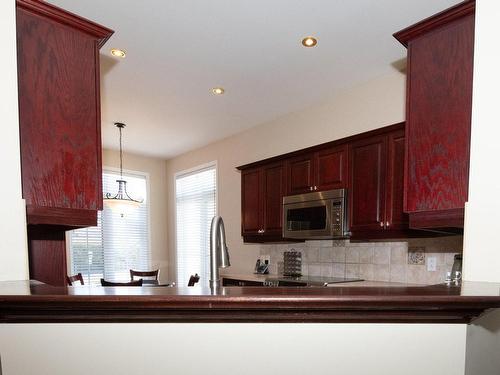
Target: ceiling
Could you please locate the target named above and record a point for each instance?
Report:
(178, 50)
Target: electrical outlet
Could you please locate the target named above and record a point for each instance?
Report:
(431, 264)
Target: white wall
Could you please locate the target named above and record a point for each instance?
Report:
(13, 247)
(481, 246)
(243, 349)
(156, 170)
(372, 105)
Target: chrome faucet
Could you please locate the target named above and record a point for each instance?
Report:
(219, 254)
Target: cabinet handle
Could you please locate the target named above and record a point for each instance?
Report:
(260, 231)
(315, 187)
(311, 188)
(387, 224)
(381, 224)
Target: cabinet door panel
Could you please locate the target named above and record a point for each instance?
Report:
(438, 117)
(251, 202)
(273, 198)
(300, 174)
(395, 216)
(367, 187)
(58, 114)
(331, 168)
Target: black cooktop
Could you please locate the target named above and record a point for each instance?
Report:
(308, 280)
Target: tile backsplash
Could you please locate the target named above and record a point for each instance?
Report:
(402, 261)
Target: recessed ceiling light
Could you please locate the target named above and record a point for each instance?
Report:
(309, 41)
(118, 53)
(217, 91)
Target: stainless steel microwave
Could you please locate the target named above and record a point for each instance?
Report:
(318, 215)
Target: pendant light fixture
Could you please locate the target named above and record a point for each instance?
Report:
(121, 200)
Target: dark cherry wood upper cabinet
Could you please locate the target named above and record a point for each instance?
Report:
(251, 202)
(60, 129)
(273, 192)
(262, 191)
(439, 105)
(325, 169)
(330, 168)
(59, 114)
(367, 188)
(300, 174)
(396, 218)
(376, 165)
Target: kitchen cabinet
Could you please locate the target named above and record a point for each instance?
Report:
(376, 166)
(370, 165)
(59, 123)
(439, 105)
(262, 191)
(325, 169)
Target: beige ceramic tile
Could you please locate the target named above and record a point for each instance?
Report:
(438, 276)
(366, 271)
(351, 270)
(352, 255)
(381, 272)
(398, 273)
(399, 255)
(381, 255)
(326, 254)
(366, 255)
(338, 270)
(311, 255)
(313, 243)
(327, 270)
(416, 274)
(314, 269)
(339, 254)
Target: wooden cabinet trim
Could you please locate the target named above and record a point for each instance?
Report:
(322, 146)
(47, 10)
(449, 15)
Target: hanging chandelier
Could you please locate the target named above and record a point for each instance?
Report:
(121, 199)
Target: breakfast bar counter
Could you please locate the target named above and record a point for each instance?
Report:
(28, 302)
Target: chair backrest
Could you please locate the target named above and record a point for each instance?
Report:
(130, 283)
(193, 279)
(71, 279)
(143, 274)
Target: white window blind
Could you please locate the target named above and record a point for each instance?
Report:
(195, 195)
(118, 243)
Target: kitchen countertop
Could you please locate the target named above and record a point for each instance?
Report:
(24, 302)
(365, 283)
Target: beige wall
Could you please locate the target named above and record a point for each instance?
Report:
(13, 247)
(369, 106)
(156, 169)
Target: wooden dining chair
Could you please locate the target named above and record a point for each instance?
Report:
(193, 279)
(153, 274)
(113, 283)
(71, 279)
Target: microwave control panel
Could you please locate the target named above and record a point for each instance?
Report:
(337, 218)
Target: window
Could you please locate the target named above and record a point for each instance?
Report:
(118, 243)
(195, 197)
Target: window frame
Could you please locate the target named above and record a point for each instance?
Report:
(181, 173)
